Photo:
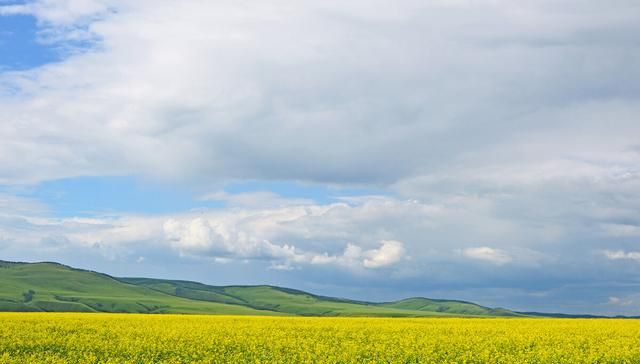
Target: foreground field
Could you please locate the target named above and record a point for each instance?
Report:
(134, 338)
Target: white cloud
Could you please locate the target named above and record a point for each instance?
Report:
(319, 235)
(621, 255)
(240, 237)
(495, 256)
(194, 235)
(389, 253)
(11, 204)
(60, 12)
(194, 90)
(617, 301)
(281, 266)
(14, 10)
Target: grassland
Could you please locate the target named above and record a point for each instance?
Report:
(54, 287)
(135, 338)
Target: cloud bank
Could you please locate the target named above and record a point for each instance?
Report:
(503, 134)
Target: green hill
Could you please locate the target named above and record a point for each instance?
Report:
(55, 287)
(447, 306)
(297, 302)
(276, 299)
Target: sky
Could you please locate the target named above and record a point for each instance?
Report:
(478, 150)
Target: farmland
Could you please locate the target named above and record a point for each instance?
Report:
(143, 338)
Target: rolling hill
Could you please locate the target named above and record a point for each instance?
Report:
(447, 306)
(297, 302)
(56, 287)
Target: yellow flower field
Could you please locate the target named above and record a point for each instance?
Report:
(132, 338)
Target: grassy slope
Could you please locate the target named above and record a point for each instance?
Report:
(60, 288)
(447, 306)
(272, 298)
(302, 303)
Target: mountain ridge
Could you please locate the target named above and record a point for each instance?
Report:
(258, 300)
(52, 286)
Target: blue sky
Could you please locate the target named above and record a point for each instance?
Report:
(19, 45)
(485, 151)
(106, 195)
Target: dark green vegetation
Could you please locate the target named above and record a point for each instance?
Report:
(55, 287)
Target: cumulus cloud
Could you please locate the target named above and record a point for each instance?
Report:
(241, 237)
(335, 234)
(389, 253)
(485, 253)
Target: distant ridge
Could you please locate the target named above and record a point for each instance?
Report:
(50, 286)
(567, 315)
(296, 302)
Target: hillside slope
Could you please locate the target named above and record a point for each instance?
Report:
(55, 287)
(302, 303)
(276, 299)
(447, 306)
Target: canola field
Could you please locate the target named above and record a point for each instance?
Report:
(134, 338)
